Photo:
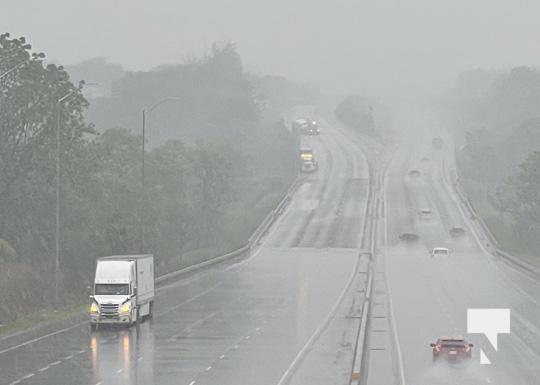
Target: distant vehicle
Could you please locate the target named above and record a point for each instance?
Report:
(409, 237)
(437, 142)
(425, 213)
(451, 348)
(306, 127)
(123, 291)
(414, 173)
(424, 159)
(439, 252)
(299, 125)
(312, 127)
(457, 231)
(307, 160)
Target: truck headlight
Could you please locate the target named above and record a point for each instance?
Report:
(94, 308)
(126, 308)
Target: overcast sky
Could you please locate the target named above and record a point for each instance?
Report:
(371, 46)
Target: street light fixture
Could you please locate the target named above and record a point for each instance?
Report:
(143, 170)
(57, 240)
(35, 57)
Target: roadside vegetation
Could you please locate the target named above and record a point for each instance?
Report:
(496, 121)
(366, 117)
(217, 161)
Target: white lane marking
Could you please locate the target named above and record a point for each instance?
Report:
(56, 363)
(119, 371)
(222, 356)
(15, 382)
(192, 382)
(29, 375)
(189, 328)
(81, 351)
(236, 346)
(208, 368)
(40, 338)
(257, 329)
(247, 338)
(99, 383)
(388, 286)
(68, 357)
(43, 369)
(140, 359)
(323, 325)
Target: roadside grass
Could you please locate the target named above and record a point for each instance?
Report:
(503, 227)
(43, 317)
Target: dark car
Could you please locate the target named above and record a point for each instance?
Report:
(409, 237)
(437, 142)
(457, 231)
(414, 173)
(451, 348)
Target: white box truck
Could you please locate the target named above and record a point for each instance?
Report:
(123, 291)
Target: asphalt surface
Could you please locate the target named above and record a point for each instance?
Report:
(286, 314)
(430, 297)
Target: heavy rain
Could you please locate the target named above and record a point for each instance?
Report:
(269, 192)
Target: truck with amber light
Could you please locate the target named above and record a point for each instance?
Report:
(123, 291)
(307, 160)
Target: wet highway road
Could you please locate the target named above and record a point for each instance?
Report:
(430, 297)
(256, 321)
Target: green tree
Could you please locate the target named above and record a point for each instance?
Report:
(172, 221)
(214, 171)
(29, 102)
(355, 112)
(118, 198)
(526, 186)
(30, 116)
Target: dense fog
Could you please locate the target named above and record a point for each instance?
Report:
(379, 47)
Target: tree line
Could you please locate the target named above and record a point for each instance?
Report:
(217, 163)
(497, 122)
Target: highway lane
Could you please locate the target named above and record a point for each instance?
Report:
(245, 322)
(430, 297)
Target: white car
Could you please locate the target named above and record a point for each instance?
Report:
(439, 252)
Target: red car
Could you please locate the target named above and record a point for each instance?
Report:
(451, 348)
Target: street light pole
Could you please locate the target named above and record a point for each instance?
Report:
(57, 236)
(35, 57)
(143, 197)
(142, 182)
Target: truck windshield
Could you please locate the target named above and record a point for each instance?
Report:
(112, 289)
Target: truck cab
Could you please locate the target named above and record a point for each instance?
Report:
(123, 291)
(307, 160)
